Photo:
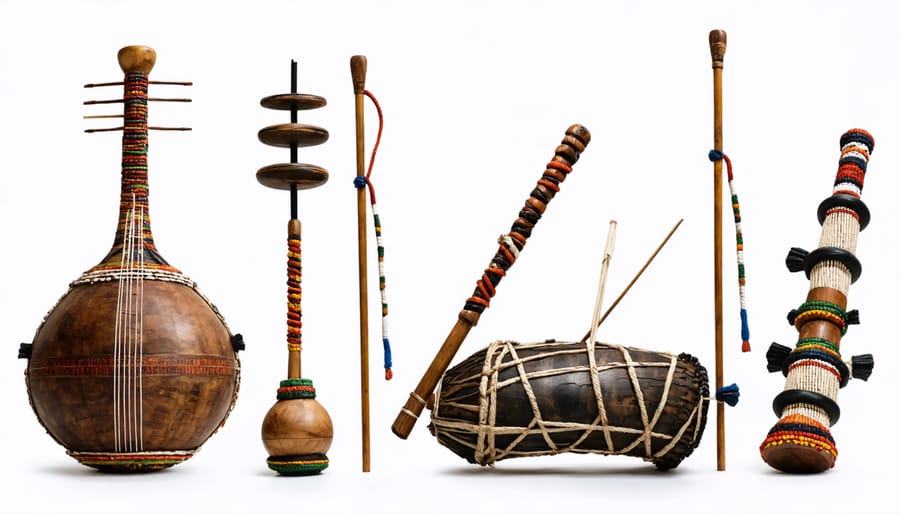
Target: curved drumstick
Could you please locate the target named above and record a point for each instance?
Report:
(566, 154)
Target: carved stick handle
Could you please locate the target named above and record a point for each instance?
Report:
(358, 65)
(567, 153)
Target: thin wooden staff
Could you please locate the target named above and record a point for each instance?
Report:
(604, 271)
(633, 280)
(567, 153)
(157, 82)
(717, 44)
(358, 65)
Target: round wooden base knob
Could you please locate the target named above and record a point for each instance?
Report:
(297, 432)
(797, 459)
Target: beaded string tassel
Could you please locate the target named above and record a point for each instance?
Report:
(297, 431)
(801, 442)
(365, 181)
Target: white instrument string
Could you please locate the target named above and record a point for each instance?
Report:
(140, 339)
(128, 266)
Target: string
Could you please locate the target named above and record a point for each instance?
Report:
(716, 155)
(128, 341)
(366, 182)
(139, 366)
(117, 344)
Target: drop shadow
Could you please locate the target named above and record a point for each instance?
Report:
(648, 470)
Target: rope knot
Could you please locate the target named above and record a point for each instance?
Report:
(360, 182)
(716, 155)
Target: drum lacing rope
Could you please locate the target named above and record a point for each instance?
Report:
(361, 182)
(716, 155)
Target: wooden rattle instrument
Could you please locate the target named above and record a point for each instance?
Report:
(801, 442)
(297, 431)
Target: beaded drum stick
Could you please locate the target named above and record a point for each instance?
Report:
(565, 156)
(801, 442)
(297, 430)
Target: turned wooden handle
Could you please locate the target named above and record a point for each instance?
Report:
(358, 73)
(718, 41)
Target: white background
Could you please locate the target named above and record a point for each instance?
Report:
(476, 96)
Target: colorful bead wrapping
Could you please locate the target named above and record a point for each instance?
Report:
(565, 156)
(511, 244)
(715, 155)
(138, 462)
(135, 190)
(803, 431)
(366, 181)
(294, 294)
(294, 388)
(814, 370)
(298, 465)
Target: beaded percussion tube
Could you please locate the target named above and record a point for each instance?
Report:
(565, 156)
(801, 442)
(297, 431)
(133, 369)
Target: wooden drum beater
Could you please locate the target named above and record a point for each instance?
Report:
(801, 442)
(510, 245)
(297, 430)
(133, 369)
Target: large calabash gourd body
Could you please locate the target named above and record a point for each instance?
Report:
(133, 369)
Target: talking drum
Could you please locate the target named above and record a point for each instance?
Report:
(133, 369)
(519, 400)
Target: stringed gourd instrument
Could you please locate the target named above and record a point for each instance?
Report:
(133, 369)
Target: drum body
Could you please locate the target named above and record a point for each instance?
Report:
(518, 400)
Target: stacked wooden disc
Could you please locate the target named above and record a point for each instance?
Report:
(292, 175)
(297, 431)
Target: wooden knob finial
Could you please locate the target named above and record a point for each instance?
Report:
(358, 73)
(717, 43)
(137, 58)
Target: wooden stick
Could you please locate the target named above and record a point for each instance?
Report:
(157, 82)
(633, 280)
(295, 368)
(604, 271)
(717, 44)
(116, 129)
(567, 153)
(358, 74)
(122, 100)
